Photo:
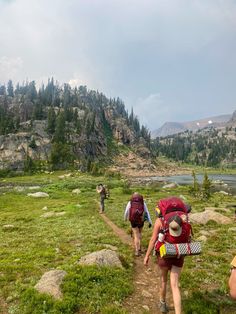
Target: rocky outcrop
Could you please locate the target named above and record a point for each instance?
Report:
(14, 148)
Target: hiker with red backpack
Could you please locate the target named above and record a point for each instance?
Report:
(171, 230)
(137, 212)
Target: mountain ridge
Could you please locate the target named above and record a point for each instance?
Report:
(171, 128)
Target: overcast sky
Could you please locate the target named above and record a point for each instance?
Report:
(171, 60)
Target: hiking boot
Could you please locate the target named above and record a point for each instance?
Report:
(163, 307)
(137, 253)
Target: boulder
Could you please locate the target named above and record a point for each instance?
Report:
(38, 194)
(8, 227)
(207, 215)
(76, 191)
(53, 214)
(50, 283)
(170, 185)
(101, 258)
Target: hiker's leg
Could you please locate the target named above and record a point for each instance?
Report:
(174, 283)
(140, 237)
(102, 204)
(136, 238)
(164, 274)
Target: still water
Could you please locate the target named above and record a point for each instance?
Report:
(221, 182)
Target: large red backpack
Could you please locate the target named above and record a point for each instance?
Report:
(170, 207)
(136, 212)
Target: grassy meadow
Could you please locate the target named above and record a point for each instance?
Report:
(34, 244)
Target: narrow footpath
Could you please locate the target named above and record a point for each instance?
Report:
(145, 298)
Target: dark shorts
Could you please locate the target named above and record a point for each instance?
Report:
(169, 262)
(135, 225)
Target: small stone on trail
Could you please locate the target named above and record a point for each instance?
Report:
(146, 308)
(146, 294)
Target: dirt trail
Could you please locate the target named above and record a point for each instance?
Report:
(146, 295)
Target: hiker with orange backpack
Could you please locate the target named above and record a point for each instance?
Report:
(171, 226)
(136, 211)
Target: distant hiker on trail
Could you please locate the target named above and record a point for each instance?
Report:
(104, 194)
(136, 211)
(232, 279)
(175, 229)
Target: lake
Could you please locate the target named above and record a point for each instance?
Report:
(222, 182)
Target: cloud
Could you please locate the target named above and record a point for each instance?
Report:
(9, 67)
(183, 50)
(151, 110)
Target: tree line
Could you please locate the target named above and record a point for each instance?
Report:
(67, 110)
(208, 147)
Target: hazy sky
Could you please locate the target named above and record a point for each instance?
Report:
(171, 60)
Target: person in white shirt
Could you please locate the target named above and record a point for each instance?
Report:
(137, 212)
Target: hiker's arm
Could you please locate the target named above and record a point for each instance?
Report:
(152, 241)
(232, 279)
(126, 214)
(232, 284)
(148, 215)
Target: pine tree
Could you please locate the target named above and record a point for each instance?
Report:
(195, 188)
(206, 187)
(51, 122)
(60, 134)
(10, 89)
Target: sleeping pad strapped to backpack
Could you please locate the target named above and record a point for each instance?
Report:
(173, 209)
(136, 212)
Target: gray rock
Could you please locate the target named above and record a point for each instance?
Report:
(50, 283)
(101, 258)
(8, 227)
(76, 191)
(223, 192)
(52, 214)
(146, 294)
(38, 194)
(233, 229)
(170, 186)
(36, 187)
(207, 215)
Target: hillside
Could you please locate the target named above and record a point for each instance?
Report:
(207, 147)
(170, 128)
(58, 126)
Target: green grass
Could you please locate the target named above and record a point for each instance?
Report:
(36, 244)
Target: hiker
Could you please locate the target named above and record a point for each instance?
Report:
(137, 212)
(173, 231)
(232, 279)
(101, 189)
